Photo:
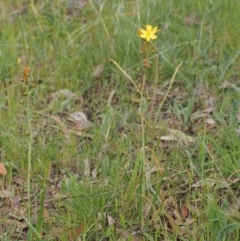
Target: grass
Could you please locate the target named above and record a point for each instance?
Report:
(121, 169)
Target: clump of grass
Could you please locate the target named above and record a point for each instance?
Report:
(105, 172)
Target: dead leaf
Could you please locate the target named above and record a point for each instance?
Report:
(234, 207)
(193, 210)
(16, 201)
(80, 120)
(175, 228)
(6, 193)
(189, 221)
(177, 135)
(210, 121)
(104, 216)
(226, 84)
(98, 71)
(73, 235)
(94, 173)
(110, 97)
(178, 217)
(77, 123)
(184, 211)
(210, 182)
(3, 170)
(62, 93)
(168, 138)
(86, 167)
(125, 234)
(15, 223)
(111, 220)
(147, 208)
(203, 183)
(77, 116)
(62, 125)
(186, 139)
(78, 133)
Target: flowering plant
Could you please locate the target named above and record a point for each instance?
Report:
(149, 33)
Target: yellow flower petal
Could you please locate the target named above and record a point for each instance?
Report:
(149, 33)
(140, 31)
(149, 27)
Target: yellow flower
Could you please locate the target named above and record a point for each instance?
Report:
(149, 33)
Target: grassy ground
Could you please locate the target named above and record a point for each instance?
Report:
(163, 165)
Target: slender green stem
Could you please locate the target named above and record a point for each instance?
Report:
(128, 76)
(29, 127)
(143, 150)
(170, 85)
